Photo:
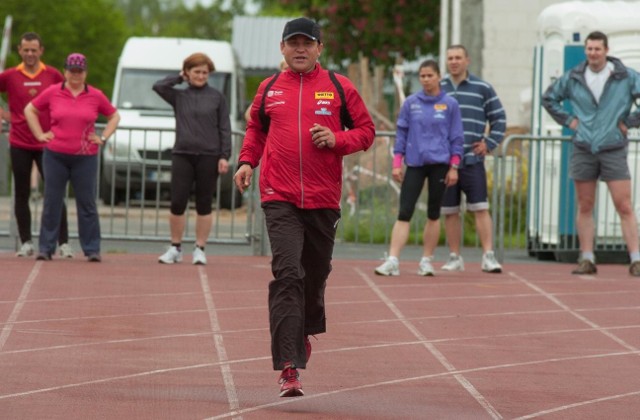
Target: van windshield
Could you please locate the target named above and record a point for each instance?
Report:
(136, 93)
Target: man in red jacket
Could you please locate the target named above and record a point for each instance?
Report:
(23, 83)
(301, 153)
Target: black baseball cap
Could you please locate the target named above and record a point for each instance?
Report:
(301, 26)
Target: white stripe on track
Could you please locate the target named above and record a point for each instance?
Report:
(567, 309)
(225, 367)
(17, 308)
(432, 348)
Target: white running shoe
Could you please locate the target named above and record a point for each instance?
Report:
(66, 251)
(425, 268)
(199, 258)
(455, 263)
(390, 267)
(173, 255)
(26, 250)
(490, 264)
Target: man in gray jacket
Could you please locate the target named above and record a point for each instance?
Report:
(601, 92)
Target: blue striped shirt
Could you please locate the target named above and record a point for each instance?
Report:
(479, 104)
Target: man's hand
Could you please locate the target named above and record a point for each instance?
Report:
(623, 128)
(223, 166)
(322, 136)
(45, 137)
(242, 178)
(480, 148)
(574, 124)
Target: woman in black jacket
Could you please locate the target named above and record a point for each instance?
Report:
(200, 153)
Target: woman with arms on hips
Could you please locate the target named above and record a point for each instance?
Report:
(71, 153)
(200, 153)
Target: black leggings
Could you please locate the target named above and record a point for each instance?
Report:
(412, 186)
(187, 169)
(21, 163)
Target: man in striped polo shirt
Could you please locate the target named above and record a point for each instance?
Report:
(479, 105)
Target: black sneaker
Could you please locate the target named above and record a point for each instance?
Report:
(586, 267)
(94, 258)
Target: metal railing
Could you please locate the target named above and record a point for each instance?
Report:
(133, 202)
(532, 200)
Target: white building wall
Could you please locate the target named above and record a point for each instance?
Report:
(510, 33)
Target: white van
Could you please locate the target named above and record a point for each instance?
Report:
(136, 161)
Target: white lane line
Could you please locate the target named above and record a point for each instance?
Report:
(415, 378)
(336, 350)
(579, 404)
(567, 309)
(319, 395)
(17, 308)
(429, 346)
(225, 367)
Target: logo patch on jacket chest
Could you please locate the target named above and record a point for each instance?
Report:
(324, 95)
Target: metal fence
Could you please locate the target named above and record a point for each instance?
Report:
(133, 196)
(532, 199)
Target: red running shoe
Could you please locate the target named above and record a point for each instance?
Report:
(290, 384)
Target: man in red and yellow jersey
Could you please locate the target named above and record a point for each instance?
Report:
(22, 84)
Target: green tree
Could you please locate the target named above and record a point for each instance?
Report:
(173, 18)
(91, 27)
(378, 29)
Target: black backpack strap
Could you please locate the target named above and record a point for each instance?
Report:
(264, 119)
(345, 117)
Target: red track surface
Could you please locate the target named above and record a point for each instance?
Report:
(130, 338)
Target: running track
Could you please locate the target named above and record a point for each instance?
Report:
(133, 339)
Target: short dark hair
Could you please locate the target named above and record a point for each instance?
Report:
(597, 36)
(31, 36)
(432, 64)
(458, 47)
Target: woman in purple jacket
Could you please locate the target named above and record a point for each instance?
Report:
(429, 137)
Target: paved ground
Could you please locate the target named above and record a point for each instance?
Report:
(130, 338)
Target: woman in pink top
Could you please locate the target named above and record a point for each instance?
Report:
(71, 153)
